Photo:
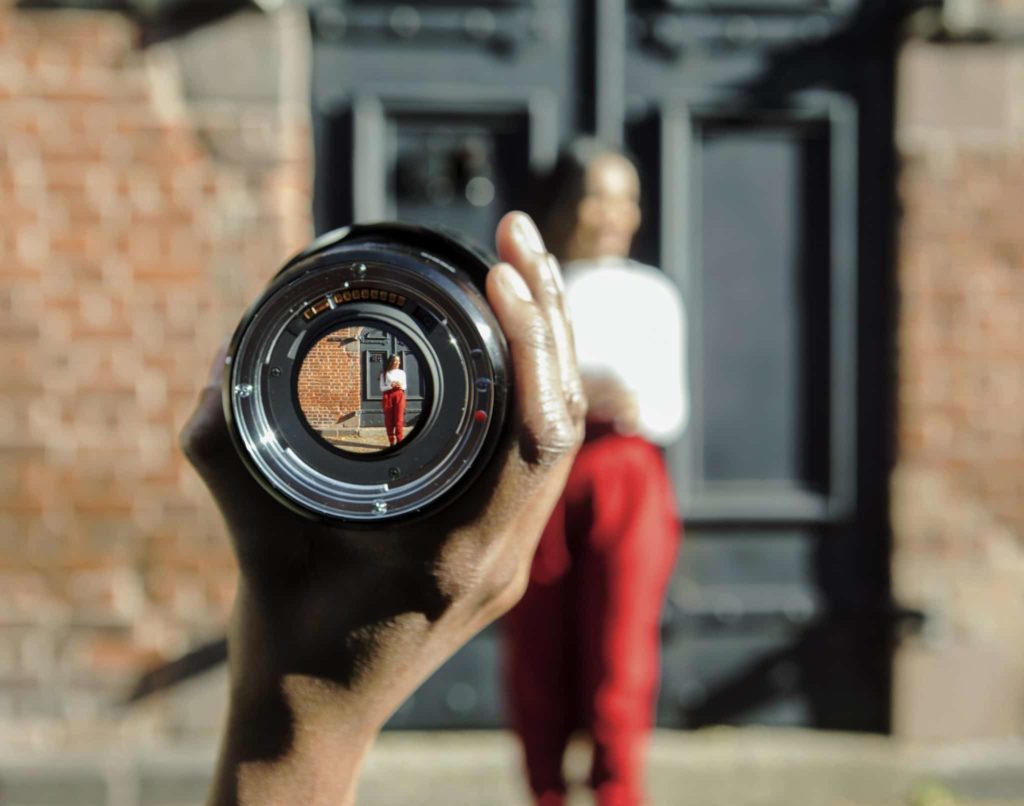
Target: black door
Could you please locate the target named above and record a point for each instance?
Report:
(375, 349)
(763, 129)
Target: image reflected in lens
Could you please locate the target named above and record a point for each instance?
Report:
(361, 389)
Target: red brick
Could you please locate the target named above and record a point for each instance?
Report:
(958, 503)
(126, 257)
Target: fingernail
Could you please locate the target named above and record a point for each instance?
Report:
(528, 237)
(514, 282)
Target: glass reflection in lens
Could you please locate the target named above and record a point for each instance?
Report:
(360, 389)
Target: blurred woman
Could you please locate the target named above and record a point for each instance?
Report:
(582, 647)
(393, 385)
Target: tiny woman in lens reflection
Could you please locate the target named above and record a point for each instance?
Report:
(582, 647)
(392, 385)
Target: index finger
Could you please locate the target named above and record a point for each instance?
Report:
(550, 431)
(520, 244)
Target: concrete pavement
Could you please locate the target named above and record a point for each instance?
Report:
(713, 767)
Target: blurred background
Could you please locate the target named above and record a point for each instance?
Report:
(837, 186)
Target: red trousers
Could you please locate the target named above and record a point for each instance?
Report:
(394, 414)
(582, 647)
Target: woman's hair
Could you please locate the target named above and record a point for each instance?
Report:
(556, 193)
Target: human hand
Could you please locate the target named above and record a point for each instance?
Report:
(611, 402)
(334, 627)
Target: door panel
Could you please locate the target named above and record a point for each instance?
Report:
(747, 226)
(457, 170)
(771, 398)
(760, 262)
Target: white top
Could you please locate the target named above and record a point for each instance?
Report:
(629, 323)
(389, 377)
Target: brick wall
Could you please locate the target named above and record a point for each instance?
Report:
(330, 380)
(958, 491)
(129, 245)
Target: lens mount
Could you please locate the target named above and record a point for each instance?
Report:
(419, 284)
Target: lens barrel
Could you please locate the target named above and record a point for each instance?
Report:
(317, 331)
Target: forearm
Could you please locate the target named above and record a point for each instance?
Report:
(275, 754)
(292, 735)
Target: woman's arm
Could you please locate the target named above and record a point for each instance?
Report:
(663, 416)
(610, 402)
(333, 628)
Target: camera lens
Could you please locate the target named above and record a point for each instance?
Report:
(370, 379)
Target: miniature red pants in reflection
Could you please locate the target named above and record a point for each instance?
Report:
(582, 647)
(394, 414)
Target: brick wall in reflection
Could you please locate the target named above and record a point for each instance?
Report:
(133, 232)
(330, 382)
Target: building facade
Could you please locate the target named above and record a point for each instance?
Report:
(833, 185)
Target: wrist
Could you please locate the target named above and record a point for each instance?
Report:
(294, 747)
(293, 733)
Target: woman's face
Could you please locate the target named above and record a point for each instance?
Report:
(608, 216)
(394, 363)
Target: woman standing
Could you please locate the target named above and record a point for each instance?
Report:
(582, 647)
(393, 385)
